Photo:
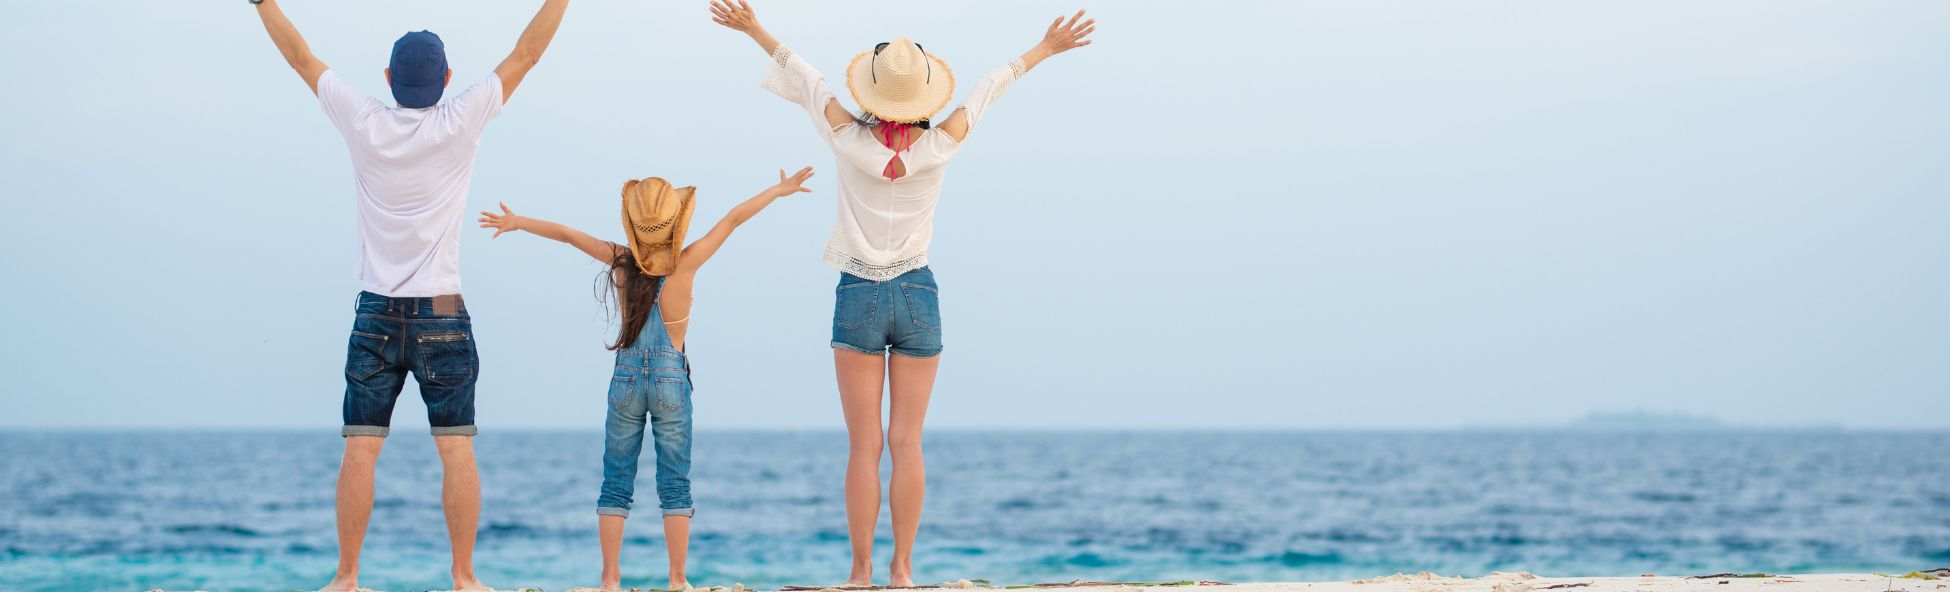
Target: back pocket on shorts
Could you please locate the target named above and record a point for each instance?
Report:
(854, 305)
(923, 305)
(447, 358)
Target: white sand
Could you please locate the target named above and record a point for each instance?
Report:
(1523, 582)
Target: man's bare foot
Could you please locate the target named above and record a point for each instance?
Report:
(612, 585)
(342, 583)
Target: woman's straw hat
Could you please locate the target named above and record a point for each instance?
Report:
(900, 82)
(657, 216)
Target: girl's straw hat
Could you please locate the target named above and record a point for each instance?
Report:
(900, 82)
(657, 216)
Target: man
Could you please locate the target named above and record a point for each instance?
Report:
(411, 168)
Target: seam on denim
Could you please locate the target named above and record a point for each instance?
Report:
(452, 337)
(898, 352)
(851, 347)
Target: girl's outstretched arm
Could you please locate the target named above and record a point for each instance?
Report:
(1058, 38)
(508, 221)
(702, 250)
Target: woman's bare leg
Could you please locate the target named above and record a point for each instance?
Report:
(609, 528)
(861, 376)
(911, 382)
(677, 542)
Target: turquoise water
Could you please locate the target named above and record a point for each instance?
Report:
(253, 510)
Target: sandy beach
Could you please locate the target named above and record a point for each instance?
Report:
(1495, 582)
(1525, 582)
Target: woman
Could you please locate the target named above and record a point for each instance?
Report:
(892, 164)
(651, 281)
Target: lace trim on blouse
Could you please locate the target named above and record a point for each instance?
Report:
(841, 249)
(782, 79)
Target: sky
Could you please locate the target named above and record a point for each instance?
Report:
(1256, 214)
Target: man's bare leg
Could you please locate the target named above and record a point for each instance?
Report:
(460, 496)
(354, 505)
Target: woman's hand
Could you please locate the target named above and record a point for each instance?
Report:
(1062, 37)
(506, 221)
(737, 17)
(793, 184)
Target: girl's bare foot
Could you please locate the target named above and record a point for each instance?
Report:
(679, 584)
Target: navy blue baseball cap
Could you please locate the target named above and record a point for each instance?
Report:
(419, 69)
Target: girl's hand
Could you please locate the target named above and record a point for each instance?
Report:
(506, 221)
(737, 17)
(792, 184)
(1062, 37)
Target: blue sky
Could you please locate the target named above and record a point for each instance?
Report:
(1283, 214)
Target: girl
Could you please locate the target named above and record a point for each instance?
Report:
(651, 281)
(892, 165)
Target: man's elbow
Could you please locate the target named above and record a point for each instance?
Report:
(525, 58)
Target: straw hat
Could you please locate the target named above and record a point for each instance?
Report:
(900, 83)
(657, 216)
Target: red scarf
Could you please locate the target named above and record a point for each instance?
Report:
(889, 130)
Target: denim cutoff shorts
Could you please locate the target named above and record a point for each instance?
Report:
(901, 315)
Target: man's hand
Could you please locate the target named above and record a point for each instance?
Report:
(793, 184)
(506, 221)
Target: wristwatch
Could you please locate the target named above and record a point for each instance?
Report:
(256, 2)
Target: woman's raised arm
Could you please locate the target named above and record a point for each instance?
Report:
(741, 18)
(1058, 38)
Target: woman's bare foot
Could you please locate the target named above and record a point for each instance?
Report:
(342, 584)
(466, 582)
(679, 584)
(900, 575)
(862, 576)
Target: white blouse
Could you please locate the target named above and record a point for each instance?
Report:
(884, 225)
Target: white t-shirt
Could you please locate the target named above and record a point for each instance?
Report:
(411, 169)
(884, 226)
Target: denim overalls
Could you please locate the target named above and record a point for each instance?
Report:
(652, 384)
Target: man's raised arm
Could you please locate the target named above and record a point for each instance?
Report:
(292, 45)
(528, 50)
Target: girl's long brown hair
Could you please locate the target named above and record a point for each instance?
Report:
(633, 298)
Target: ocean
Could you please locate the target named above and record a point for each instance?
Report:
(242, 510)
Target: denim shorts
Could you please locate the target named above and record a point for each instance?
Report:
(901, 315)
(392, 337)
